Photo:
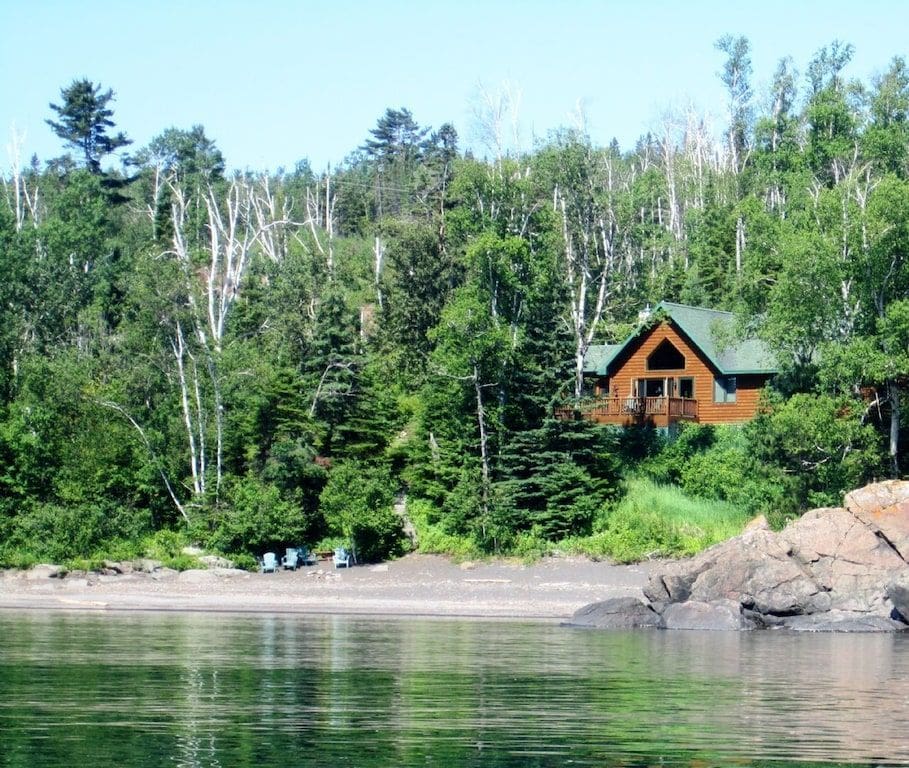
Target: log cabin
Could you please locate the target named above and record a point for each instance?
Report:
(682, 363)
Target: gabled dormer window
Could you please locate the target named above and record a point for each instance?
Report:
(666, 358)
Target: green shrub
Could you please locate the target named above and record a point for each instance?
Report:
(530, 545)
(164, 544)
(357, 505)
(823, 444)
(182, 562)
(245, 561)
(253, 517)
(56, 533)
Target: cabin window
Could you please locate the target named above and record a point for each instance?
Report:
(651, 387)
(665, 358)
(724, 389)
(686, 388)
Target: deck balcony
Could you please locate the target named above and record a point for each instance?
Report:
(626, 411)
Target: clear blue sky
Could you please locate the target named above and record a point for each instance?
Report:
(276, 81)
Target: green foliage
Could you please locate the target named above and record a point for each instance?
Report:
(432, 538)
(717, 463)
(822, 443)
(416, 284)
(253, 517)
(415, 333)
(357, 505)
(57, 533)
(553, 479)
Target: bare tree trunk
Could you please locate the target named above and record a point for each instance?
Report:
(484, 444)
(379, 260)
(192, 429)
(246, 218)
(893, 395)
(314, 218)
(589, 265)
(22, 202)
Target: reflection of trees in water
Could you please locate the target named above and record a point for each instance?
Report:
(226, 691)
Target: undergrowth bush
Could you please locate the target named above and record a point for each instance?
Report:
(432, 538)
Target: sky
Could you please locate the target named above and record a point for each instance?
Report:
(275, 81)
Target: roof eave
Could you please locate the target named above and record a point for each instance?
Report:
(749, 372)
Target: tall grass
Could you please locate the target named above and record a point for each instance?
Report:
(654, 520)
(651, 520)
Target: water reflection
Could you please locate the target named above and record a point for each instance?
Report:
(216, 691)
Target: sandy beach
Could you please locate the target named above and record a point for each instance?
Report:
(416, 585)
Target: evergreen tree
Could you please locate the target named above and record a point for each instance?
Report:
(84, 120)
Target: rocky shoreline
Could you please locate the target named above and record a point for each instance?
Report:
(841, 569)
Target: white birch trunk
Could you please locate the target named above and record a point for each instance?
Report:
(179, 350)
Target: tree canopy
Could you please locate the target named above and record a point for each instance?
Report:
(259, 359)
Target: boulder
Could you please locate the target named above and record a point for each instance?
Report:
(753, 569)
(897, 592)
(45, 571)
(196, 575)
(228, 573)
(884, 507)
(694, 614)
(615, 613)
(845, 557)
(214, 561)
(758, 523)
(147, 565)
(842, 621)
(838, 569)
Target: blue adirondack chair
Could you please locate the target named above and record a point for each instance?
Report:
(306, 556)
(291, 558)
(341, 558)
(269, 562)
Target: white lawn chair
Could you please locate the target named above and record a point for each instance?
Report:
(269, 562)
(290, 559)
(341, 558)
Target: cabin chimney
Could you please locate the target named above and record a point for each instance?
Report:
(644, 314)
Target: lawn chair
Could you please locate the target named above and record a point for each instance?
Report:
(269, 562)
(306, 556)
(291, 559)
(341, 557)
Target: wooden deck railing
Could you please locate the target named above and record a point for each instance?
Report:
(624, 408)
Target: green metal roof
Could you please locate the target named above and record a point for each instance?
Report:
(712, 331)
(599, 356)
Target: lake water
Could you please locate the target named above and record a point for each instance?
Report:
(211, 690)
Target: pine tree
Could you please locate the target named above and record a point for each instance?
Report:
(84, 120)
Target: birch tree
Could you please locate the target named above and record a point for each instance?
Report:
(588, 228)
(22, 192)
(243, 224)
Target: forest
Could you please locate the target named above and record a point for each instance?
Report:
(246, 360)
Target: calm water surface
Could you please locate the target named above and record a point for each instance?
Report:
(175, 690)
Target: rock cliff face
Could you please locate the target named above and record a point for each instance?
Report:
(834, 569)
